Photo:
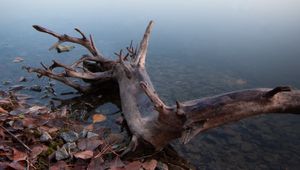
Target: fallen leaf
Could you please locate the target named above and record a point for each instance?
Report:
(114, 138)
(18, 59)
(60, 165)
(135, 165)
(16, 165)
(3, 110)
(96, 164)
(150, 165)
(37, 109)
(29, 122)
(117, 164)
(84, 154)
(89, 127)
(89, 144)
(18, 155)
(52, 130)
(98, 118)
(36, 150)
(4, 165)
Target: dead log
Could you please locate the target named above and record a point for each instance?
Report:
(147, 116)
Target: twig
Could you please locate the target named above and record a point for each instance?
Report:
(25, 146)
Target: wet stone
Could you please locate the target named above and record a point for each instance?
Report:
(16, 87)
(83, 133)
(45, 137)
(61, 154)
(22, 79)
(36, 88)
(91, 134)
(6, 82)
(69, 136)
(70, 146)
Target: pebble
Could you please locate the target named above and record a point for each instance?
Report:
(61, 154)
(16, 87)
(91, 134)
(83, 133)
(70, 146)
(22, 79)
(45, 137)
(69, 136)
(36, 88)
(6, 82)
(18, 60)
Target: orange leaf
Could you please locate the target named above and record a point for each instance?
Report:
(135, 165)
(98, 118)
(150, 165)
(18, 155)
(84, 155)
(3, 110)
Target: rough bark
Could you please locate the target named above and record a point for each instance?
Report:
(146, 114)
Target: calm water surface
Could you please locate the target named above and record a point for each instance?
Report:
(198, 48)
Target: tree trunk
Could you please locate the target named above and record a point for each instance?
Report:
(146, 114)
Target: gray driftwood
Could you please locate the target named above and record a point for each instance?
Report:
(147, 116)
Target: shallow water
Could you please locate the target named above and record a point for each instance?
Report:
(198, 48)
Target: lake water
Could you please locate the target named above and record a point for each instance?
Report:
(198, 48)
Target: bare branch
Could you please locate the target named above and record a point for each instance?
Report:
(159, 105)
(15, 137)
(141, 56)
(90, 75)
(207, 113)
(58, 77)
(81, 33)
(89, 44)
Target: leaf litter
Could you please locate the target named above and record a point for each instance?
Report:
(37, 137)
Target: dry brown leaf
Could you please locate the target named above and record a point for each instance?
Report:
(89, 144)
(135, 165)
(3, 110)
(36, 150)
(96, 164)
(98, 118)
(84, 154)
(59, 166)
(150, 165)
(18, 155)
(89, 127)
(4, 165)
(17, 165)
(29, 122)
(117, 164)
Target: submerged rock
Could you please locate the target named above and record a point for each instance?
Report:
(18, 60)
(36, 88)
(5, 82)
(16, 87)
(22, 79)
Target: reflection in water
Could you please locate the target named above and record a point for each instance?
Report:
(201, 47)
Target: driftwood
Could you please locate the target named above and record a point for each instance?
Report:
(147, 116)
